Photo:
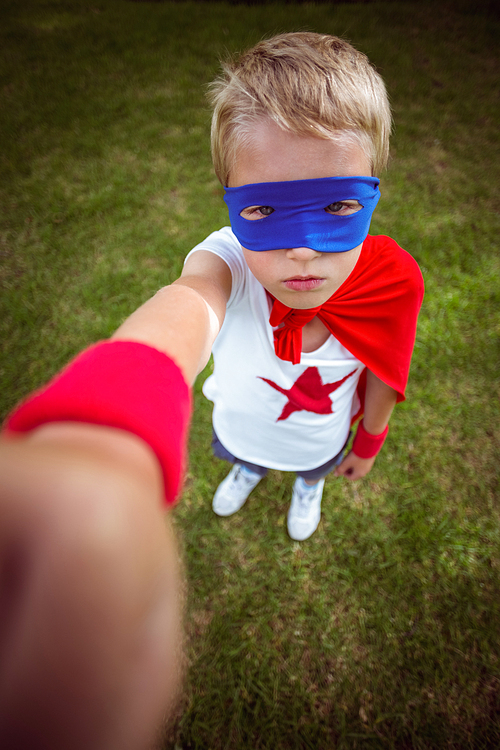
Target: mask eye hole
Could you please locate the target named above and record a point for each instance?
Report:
(344, 208)
(253, 213)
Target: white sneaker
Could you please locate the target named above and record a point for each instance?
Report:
(233, 491)
(305, 510)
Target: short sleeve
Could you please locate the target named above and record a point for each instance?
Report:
(224, 244)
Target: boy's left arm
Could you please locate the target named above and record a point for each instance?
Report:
(380, 400)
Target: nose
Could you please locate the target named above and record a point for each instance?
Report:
(302, 253)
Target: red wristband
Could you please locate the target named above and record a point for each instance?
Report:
(122, 384)
(366, 445)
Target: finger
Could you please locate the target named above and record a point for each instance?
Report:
(344, 469)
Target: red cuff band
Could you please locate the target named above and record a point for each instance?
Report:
(365, 445)
(122, 384)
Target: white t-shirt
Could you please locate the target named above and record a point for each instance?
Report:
(268, 411)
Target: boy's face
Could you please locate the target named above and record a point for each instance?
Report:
(299, 277)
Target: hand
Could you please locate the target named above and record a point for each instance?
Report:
(353, 467)
(91, 594)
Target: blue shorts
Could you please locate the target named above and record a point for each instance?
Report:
(318, 473)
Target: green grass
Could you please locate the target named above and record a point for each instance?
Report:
(381, 631)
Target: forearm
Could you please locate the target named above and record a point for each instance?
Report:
(82, 518)
(128, 383)
(178, 321)
(90, 566)
(380, 400)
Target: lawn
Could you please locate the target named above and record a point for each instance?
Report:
(382, 630)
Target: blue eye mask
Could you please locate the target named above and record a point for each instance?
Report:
(299, 218)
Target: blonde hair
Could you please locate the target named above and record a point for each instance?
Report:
(308, 84)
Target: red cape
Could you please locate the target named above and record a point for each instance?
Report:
(373, 313)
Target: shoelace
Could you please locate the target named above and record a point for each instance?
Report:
(241, 475)
(306, 497)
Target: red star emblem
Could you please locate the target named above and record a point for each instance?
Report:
(308, 393)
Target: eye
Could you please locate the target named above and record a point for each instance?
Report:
(344, 208)
(256, 212)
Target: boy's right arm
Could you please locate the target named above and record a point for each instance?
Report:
(183, 319)
(90, 608)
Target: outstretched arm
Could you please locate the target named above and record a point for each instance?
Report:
(184, 319)
(90, 602)
(380, 400)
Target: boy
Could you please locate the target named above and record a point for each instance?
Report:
(298, 170)
(319, 328)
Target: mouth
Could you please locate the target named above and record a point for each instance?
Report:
(303, 283)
